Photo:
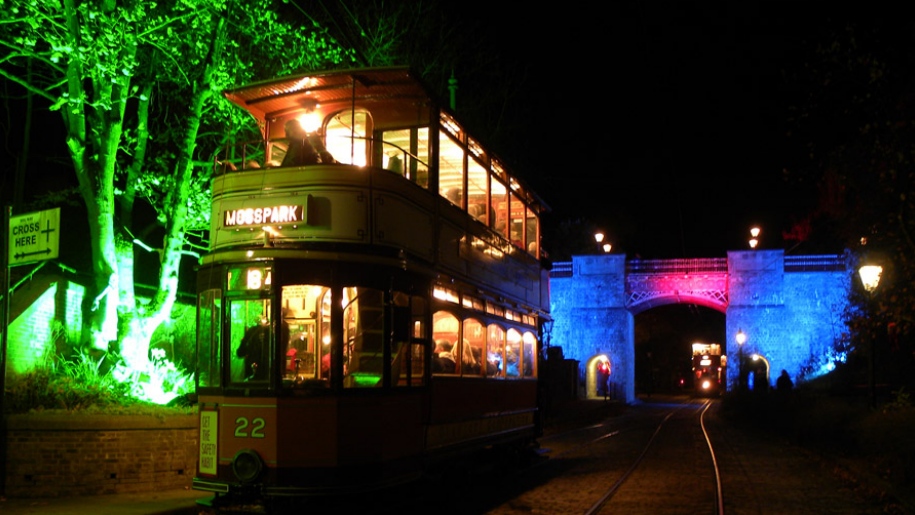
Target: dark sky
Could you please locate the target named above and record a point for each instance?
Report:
(665, 123)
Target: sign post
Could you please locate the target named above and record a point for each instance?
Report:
(29, 238)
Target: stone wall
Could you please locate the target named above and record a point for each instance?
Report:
(56, 455)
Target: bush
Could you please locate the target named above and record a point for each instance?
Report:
(84, 383)
(64, 384)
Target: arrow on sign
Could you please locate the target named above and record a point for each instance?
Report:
(25, 254)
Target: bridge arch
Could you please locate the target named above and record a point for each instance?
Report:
(789, 306)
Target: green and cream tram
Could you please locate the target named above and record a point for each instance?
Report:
(371, 301)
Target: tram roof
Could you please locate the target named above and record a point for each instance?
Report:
(280, 97)
(393, 91)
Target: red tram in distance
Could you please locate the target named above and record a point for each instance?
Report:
(372, 298)
(709, 369)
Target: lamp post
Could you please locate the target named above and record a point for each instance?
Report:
(870, 279)
(599, 238)
(741, 339)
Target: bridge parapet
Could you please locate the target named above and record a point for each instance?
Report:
(676, 266)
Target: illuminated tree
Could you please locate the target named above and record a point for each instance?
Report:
(136, 84)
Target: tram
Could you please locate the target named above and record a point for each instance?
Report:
(709, 369)
(371, 302)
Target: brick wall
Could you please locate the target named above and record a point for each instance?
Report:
(55, 455)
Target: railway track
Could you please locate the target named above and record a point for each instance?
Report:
(665, 456)
(679, 444)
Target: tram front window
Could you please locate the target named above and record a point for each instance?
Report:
(250, 336)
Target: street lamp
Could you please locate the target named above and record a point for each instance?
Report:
(741, 339)
(754, 237)
(607, 248)
(599, 238)
(870, 279)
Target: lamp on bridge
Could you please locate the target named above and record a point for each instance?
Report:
(754, 237)
(741, 339)
(607, 248)
(599, 238)
(870, 279)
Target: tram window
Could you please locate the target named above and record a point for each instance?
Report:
(499, 207)
(528, 354)
(363, 337)
(395, 151)
(472, 345)
(451, 170)
(419, 168)
(420, 341)
(445, 333)
(516, 210)
(301, 347)
(495, 351)
(324, 330)
(513, 354)
(250, 336)
(530, 232)
(346, 136)
(477, 186)
(209, 317)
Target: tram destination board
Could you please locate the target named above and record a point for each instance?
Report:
(34, 237)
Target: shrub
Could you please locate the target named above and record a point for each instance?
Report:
(85, 382)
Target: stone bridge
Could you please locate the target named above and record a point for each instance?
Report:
(790, 308)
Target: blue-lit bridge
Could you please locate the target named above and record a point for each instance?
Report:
(790, 308)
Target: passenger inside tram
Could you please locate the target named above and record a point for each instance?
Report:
(469, 365)
(443, 359)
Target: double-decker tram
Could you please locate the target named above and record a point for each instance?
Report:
(371, 301)
(709, 369)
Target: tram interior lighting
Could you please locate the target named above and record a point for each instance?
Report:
(310, 121)
(446, 295)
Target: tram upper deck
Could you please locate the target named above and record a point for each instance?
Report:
(405, 183)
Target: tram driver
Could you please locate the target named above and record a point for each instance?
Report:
(253, 348)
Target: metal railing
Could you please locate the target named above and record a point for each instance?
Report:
(828, 263)
(825, 263)
(677, 266)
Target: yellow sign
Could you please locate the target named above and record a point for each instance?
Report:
(209, 432)
(34, 237)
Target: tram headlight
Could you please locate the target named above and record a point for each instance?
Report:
(247, 465)
(706, 384)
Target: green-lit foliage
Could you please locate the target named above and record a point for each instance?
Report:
(74, 384)
(160, 381)
(137, 86)
(91, 380)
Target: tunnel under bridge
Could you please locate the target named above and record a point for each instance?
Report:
(789, 307)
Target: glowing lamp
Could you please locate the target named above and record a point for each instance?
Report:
(607, 247)
(741, 337)
(870, 277)
(753, 243)
(598, 237)
(754, 232)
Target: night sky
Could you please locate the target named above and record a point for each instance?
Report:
(666, 124)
